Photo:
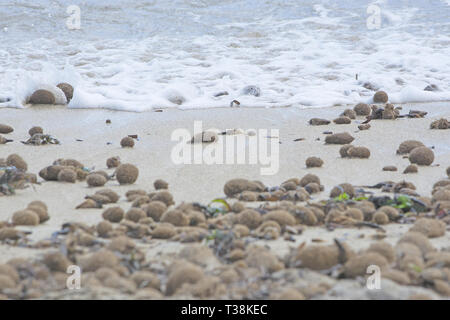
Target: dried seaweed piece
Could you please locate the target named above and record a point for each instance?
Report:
(41, 139)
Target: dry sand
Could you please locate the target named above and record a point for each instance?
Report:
(202, 183)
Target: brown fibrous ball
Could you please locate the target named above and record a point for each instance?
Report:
(127, 173)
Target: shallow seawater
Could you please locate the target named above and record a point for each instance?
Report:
(139, 55)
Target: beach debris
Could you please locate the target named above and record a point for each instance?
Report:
(412, 168)
(441, 124)
(249, 218)
(407, 146)
(135, 214)
(5, 129)
(370, 86)
(251, 90)
(183, 274)
(380, 218)
(11, 179)
(350, 113)
(319, 122)
(35, 130)
(112, 196)
(390, 168)
(113, 214)
(42, 97)
(358, 152)
(39, 139)
(339, 138)
(160, 184)
(357, 265)
(314, 162)
(320, 257)
(342, 120)
(416, 114)
(389, 112)
(235, 103)
(67, 175)
(432, 88)
(365, 126)
(95, 180)
(221, 93)
(67, 89)
(235, 186)
(127, 173)
(14, 160)
(3, 140)
(25, 218)
(343, 151)
(419, 240)
(69, 163)
(127, 142)
(299, 139)
(89, 204)
(422, 156)
(155, 209)
(205, 137)
(175, 217)
(113, 162)
(380, 97)
(346, 190)
(40, 208)
(431, 228)
(362, 109)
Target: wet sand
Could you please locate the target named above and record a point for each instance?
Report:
(202, 183)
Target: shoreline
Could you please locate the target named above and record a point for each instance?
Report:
(180, 108)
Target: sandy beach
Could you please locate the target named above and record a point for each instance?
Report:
(84, 135)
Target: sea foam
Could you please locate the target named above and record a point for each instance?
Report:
(141, 55)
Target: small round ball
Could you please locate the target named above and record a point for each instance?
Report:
(67, 175)
(407, 146)
(114, 214)
(113, 162)
(14, 160)
(127, 173)
(104, 228)
(362, 109)
(380, 218)
(160, 184)
(25, 218)
(359, 152)
(412, 168)
(344, 150)
(314, 162)
(380, 97)
(35, 130)
(422, 156)
(67, 89)
(95, 180)
(135, 214)
(155, 209)
(127, 142)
